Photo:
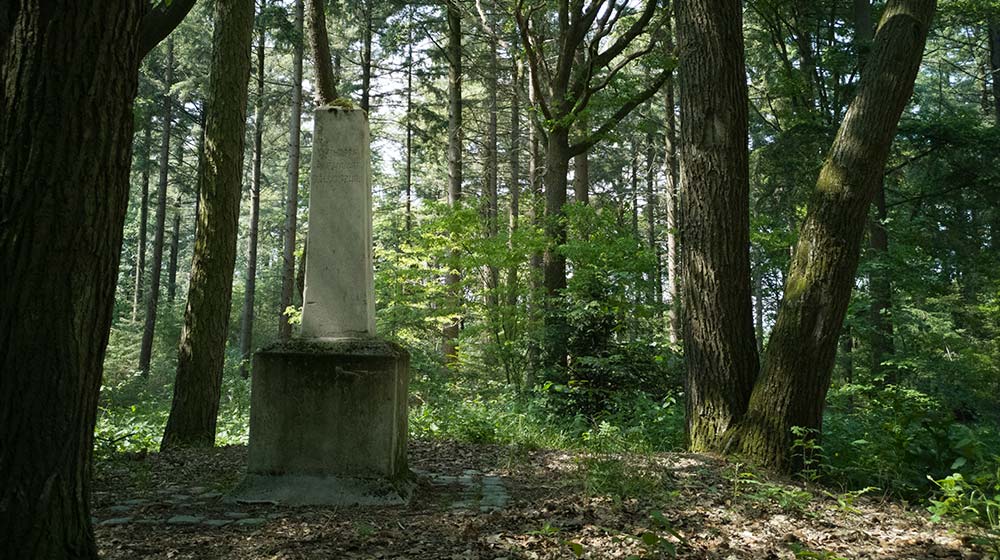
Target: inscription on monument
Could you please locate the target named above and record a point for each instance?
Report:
(339, 298)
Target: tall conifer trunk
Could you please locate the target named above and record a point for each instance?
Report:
(140, 264)
(175, 229)
(452, 279)
(249, 293)
(156, 265)
(200, 358)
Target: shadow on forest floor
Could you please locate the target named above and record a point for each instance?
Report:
(491, 501)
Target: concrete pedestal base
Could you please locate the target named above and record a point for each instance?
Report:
(328, 423)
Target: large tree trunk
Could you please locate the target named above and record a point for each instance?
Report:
(201, 354)
(249, 293)
(295, 122)
(719, 345)
(140, 264)
(556, 335)
(452, 280)
(156, 266)
(68, 75)
(799, 358)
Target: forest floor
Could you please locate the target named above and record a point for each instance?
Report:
(492, 501)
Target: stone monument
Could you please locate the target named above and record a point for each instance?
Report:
(328, 411)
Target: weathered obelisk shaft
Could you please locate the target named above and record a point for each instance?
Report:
(339, 298)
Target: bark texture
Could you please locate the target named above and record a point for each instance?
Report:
(719, 343)
(68, 76)
(799, 358)
(319, 42)
(201, 355)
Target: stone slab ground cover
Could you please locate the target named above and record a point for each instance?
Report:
(489, 501)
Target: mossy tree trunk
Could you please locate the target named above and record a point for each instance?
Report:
(798, 361)
(201, 356)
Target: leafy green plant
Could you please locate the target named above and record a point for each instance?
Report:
(974, 507)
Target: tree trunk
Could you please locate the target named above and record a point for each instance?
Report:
(69, 74)
(799, 358)
(634, 188)
(326, 81)
(994, 38)
(300, 279)
(652, 202)
(536, 206)
(175, 246)
(671, 190)
(366, 56)
(295, 122)
(409, 123)
(156, 266)
(994, 33)
(200, 358)
(452, 280)
(515, 185)
(719, 345)
(246, 330)
(556, 335)
(491, 163)
(175, 233)
(140, 265)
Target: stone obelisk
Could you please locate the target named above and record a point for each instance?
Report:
(339, 298)
(328, 420)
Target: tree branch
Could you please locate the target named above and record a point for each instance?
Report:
(159, 22)
(620, 114)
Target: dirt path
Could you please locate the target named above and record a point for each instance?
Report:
(487, 501)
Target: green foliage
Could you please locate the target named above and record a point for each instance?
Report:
(618, 345)
(894, 438)
(974, 503)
